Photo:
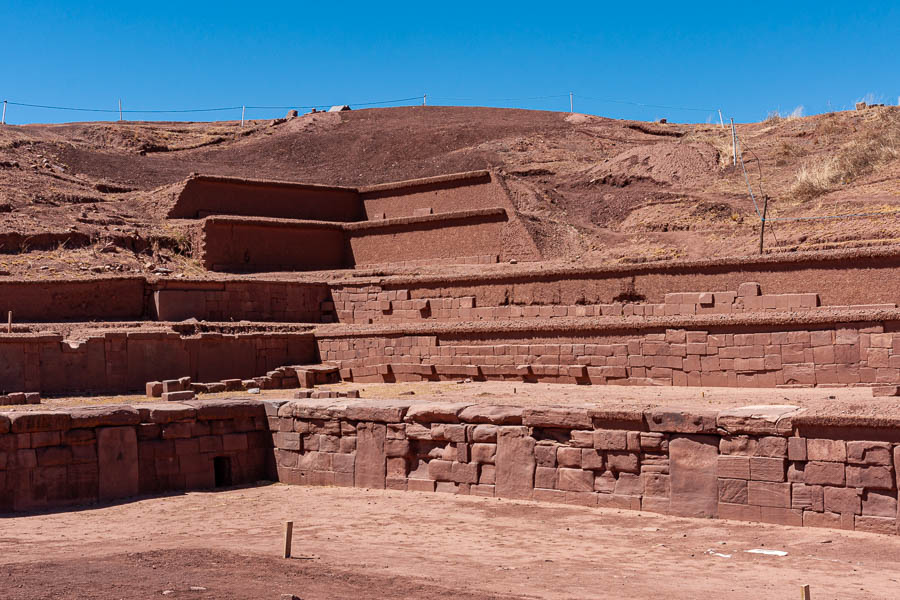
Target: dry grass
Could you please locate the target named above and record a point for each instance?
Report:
(718, 138)
(874, 145)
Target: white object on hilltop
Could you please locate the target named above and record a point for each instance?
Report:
(339, 108)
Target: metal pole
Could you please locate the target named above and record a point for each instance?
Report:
(733, 143)
(762, 226)
(571, 102)
(120, 109)
(243, 108)
(721, 122)
(3, 118)
(424, 99)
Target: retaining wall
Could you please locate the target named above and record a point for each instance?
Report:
(200, 196)
(765, 351)
(775, 464)
(441, 236)
(245, 244)
(103, 298)
(838, 279)
(120, 362)
(84, 455)
(450, 193)
(280, 301)
(769, 464)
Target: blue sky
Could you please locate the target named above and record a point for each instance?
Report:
(746, 58)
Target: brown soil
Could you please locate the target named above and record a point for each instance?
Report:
(377, 544)
(819, 402)
(80, 197)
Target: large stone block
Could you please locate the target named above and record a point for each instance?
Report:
(370, 470)
(681, 421)
(515, 463)
(693, 475)
(117, 457)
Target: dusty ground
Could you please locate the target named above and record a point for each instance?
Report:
(377, 544)
(856, 401)
(78, 199)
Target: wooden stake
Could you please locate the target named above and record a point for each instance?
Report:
(288, 534)
(9, 322)
(804, 592)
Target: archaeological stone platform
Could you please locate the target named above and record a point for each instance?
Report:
(772, 463)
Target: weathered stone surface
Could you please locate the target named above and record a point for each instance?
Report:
(681, 421)
(227, 408)
(515, 463)
(378, 411)
(435, 412)
(558, 417)
(370, 456)
(758, 420)
(869, 453)
(87, 417)
(168, 412)
(117, 458)
(38, 420)
(492, 414)
(693, 479)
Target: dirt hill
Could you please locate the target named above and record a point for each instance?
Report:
(82, 198)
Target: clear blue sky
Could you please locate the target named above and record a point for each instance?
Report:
(747, 58)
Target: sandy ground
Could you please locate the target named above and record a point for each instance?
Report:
(840, 400)
(376, 544)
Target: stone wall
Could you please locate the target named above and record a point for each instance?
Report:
(200, 196)
(97, 454)
(279, 301)
(767, 464)
(770, 353)
(775, 464)
(124, 361)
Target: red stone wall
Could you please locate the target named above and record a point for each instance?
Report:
(740, 355)
(440, 194)
(441, 236)
(754, 464)
(236, 244)
(103, 298)
(202, 196)
(120, 362)
(85, 455)
(280, 301)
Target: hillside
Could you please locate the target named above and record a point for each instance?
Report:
(83, 198)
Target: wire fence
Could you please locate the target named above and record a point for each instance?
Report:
(565, 102)
(556, 102)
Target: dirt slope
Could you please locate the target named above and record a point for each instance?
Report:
(78, 198)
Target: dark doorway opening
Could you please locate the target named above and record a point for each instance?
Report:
(222, 467)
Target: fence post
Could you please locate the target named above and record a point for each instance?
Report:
(120, 109)
(733, 144)
(243, 108)
(571, 102)
(721, 122)
(424, 99)
(3, 118)
(762, 225)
